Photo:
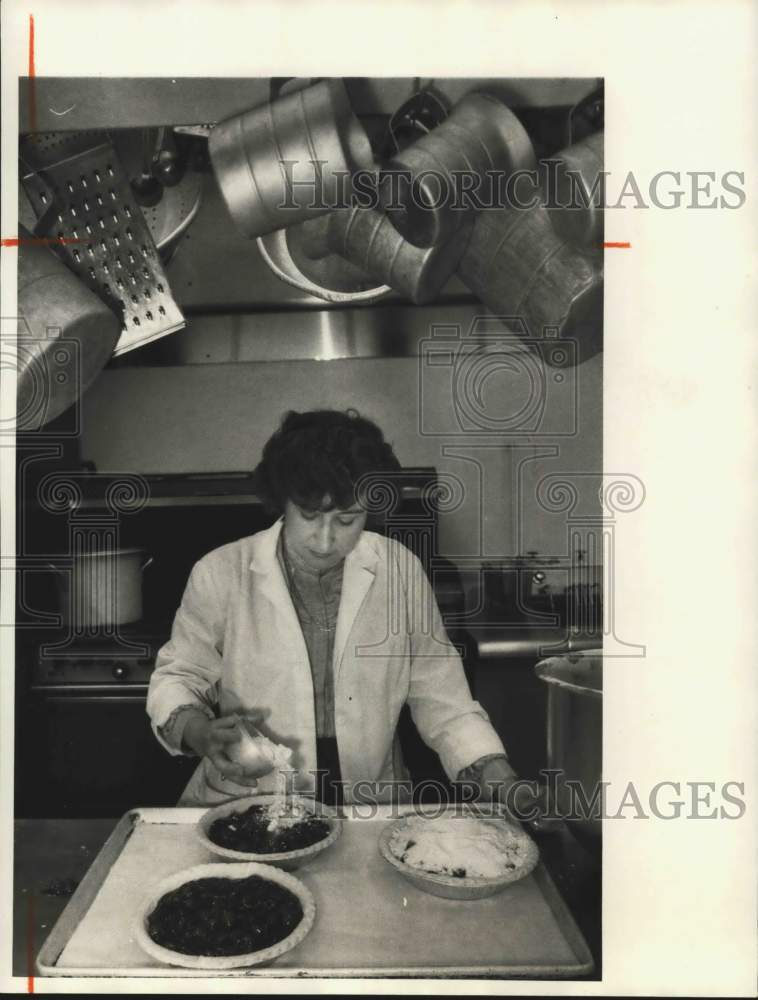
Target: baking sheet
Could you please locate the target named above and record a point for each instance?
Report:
(369, 919)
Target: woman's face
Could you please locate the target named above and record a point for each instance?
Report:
(321, 539)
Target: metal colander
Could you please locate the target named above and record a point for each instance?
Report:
(78, 191)
(179, 203)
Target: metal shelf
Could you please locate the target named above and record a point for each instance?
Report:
(126, 102)
(215, 500)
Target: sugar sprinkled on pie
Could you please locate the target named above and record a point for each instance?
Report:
(461, 846)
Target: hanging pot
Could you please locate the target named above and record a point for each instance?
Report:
(288, 160)
(518, 266)
(102, 587)
(328, 277)
(366, 239)
(578, 188)
(422, 188)
(66, 335)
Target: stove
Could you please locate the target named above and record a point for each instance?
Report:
(101, 659)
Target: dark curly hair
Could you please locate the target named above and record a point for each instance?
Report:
(320, 454)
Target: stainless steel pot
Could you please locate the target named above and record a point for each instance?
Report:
(575, 739)
(101, 588)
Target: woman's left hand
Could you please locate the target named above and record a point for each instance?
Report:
(519, 798)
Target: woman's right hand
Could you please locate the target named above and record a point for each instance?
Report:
(213, 739)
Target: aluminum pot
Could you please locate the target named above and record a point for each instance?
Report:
(425, 199)
(288, 160)
(328, 277)
(66, 335)
(101, 587)
(575, 739)
(579, 183)
(366, 239)
(517, 265)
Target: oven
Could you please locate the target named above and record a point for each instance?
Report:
(84, 746)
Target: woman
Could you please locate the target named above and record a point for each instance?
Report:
(320, 632)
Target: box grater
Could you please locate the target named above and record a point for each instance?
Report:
(78, 192)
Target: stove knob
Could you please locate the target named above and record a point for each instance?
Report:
(120, 671)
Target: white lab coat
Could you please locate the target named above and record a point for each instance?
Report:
(237, 645)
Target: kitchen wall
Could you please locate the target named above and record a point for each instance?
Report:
(216, 417)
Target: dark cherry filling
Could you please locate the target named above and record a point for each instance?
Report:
(248, 832)
(223, 916)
